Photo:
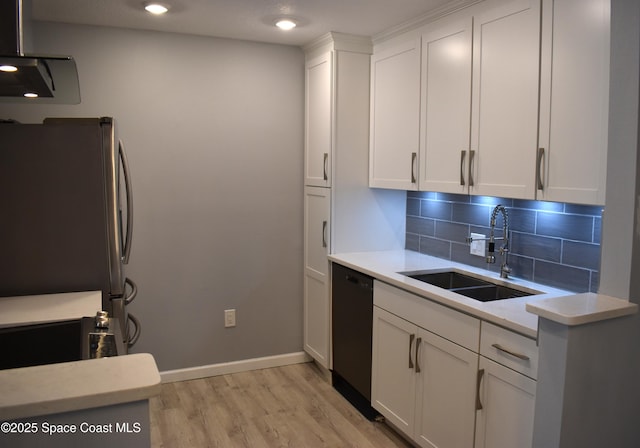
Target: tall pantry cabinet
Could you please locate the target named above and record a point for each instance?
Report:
(341, 213)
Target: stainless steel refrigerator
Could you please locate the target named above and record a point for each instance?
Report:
(66, 216)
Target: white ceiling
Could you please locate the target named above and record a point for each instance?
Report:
(245, 19)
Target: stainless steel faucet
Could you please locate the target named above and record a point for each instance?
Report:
(505, 270)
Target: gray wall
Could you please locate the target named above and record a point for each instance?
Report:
(214, 133)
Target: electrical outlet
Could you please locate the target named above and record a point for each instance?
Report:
(477, 247)
(229, 318)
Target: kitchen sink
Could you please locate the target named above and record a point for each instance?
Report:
(470, 286)
(491, 292)
(56, 342)
(449, 279)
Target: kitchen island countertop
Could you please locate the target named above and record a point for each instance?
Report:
(24, 310)
(71, 386)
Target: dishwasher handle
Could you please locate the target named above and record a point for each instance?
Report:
(363, 283)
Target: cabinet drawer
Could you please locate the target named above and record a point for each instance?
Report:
(450, 324)
(510, 349)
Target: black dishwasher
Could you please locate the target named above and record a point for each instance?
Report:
(352, 323)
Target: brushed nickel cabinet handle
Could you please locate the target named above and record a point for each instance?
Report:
(510, 352)
(414, 157)
(411, 338)
(463, 154)
(418, 344)
(325, 173)
(324, 233)
(478, 381)
(472, 157)
(540, 168)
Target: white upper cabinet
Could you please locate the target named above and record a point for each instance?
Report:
(395, 116)
(504, 119)
(318, 121)
(477, 124)
(574, 101)
(504, 98)
(446, 106)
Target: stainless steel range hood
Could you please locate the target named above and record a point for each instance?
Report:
(32, 78)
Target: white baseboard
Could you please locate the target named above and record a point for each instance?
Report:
(192, 373)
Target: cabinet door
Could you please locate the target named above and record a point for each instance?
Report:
(316, 274)
(446, 107)
(318, 103)
(504, 131)
(574, 104)
(393, 379)
(395, 117)
(508, 406)
(446, 393)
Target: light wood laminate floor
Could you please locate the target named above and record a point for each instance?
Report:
(290, 406)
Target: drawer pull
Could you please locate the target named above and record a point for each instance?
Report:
(411, 338)
(510, 352)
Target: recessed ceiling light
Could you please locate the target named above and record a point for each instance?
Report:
(156, 8)
(8, 68)
(286, 24)
(31, 95)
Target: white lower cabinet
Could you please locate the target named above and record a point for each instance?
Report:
(507, 389)
(507, 404)
(423, 384)
(393, 377)
(465, 384)
(445, 396)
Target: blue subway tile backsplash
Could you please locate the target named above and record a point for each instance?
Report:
(553, 244)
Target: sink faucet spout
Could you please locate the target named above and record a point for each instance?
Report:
(505, 270)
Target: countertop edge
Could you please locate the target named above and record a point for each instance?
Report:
(385, 266)
(109, 381)
(27, 310)
(581, 309)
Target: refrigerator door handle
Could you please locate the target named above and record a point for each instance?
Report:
(129, 192)
(134, 291)
(131, 341)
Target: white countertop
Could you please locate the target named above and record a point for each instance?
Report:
(25, 310)
(77, 385)
(511, 313)
(582, 309)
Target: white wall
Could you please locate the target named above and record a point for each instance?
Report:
(214, 133)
